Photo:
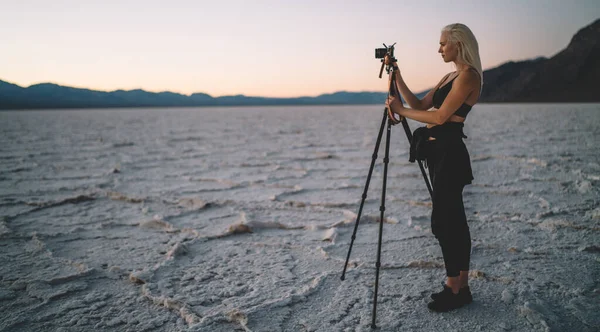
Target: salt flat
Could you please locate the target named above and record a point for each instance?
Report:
(239, 219)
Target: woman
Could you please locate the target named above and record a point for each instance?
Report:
(446, 154)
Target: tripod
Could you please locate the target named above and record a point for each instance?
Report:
(393, 90)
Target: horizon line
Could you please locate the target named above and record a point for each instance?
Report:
(233, 95)
(189, 95)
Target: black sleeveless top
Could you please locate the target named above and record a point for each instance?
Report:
(440, 95)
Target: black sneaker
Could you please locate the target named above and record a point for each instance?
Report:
(464, 293)
(436, 295)
(446, 301)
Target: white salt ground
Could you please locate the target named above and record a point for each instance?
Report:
(240, 219)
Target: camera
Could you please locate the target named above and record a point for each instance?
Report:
(380, 53)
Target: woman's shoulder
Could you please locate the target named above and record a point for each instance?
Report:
(468, 76)
(468, 71)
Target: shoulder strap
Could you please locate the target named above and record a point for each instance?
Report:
(442, 81)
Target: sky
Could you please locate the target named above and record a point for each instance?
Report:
(285, 48)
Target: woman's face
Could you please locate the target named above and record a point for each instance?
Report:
(447, 49)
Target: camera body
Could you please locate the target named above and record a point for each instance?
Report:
(380, 53)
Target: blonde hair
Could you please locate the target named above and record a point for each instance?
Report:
(469, 50)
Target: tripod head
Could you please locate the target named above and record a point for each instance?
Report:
(380, 53)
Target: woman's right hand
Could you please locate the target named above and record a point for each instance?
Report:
(387, 59)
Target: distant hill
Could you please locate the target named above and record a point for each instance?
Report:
(52, 96)
(572, 75)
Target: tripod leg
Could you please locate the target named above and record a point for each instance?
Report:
(364, 195)
(386, 160)
(394, 92)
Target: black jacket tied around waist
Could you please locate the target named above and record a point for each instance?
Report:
(446, 157)
(420, 147)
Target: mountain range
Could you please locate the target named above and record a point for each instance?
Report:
(572, 75)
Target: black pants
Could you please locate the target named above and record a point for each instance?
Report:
(449, 225)
(449, 170)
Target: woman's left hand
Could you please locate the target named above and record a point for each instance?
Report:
(394, 106)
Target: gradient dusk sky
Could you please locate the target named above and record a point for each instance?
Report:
(265, 47)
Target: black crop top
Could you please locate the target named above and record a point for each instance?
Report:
(440, 95)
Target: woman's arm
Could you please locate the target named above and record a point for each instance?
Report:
(461, 88)
(412, 100)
